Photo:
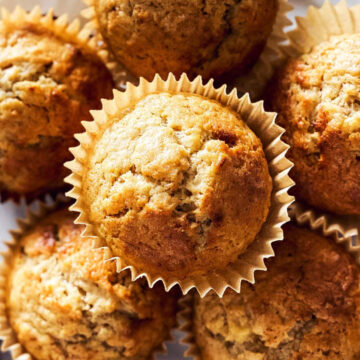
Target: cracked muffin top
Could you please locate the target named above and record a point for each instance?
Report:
(306, 306)
(210, 38)
(48, 83)
(317, 97)
(64, 302)
(176, 184)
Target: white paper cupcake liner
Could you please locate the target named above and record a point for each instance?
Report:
(261, 122)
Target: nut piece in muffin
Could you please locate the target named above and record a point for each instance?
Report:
(212, 38)
(48, 83)
(176, 184)
(317, 97)
(306, 306)
(64, 302)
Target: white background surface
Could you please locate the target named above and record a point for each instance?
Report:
(9, 211)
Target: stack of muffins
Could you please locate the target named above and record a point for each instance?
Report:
(178, 184)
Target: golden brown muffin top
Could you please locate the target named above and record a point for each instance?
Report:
(306, 306)
(323, 88)
(317, 97)
(65, 302)
(48, 84)
(177, 183)
(209, 37)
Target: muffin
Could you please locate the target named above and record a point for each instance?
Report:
(213, 38)
(64, 302)
(176, 184)
(49, 80)
(317, 97)
(306, 306)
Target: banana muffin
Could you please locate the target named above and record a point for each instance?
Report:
(64, 302)
(317, 97)
(306, 306)
(48, 83)
(176, 184)
(212, 38)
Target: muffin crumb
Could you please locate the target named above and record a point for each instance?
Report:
(64, 302)
(177, 185)
(48, 84)
(317, 98)
(304, 307)
(212, 38)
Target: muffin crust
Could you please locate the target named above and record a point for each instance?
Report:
(177, 185)
(210, 38)
(318, 100)
(48, 84)
(306, 306)
(64, 302)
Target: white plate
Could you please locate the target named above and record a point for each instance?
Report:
(9, 211)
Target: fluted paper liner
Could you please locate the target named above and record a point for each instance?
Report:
(344, 229)
(317, 26)
(320, 24)
(253, 82)
(261, 122)
(65, 30)
(7, 334)
(186, 310)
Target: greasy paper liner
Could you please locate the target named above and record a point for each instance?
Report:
(261, 122)
(253, 82)
(186, 312)
(7, 334)
(317, 26)
(67, 31)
